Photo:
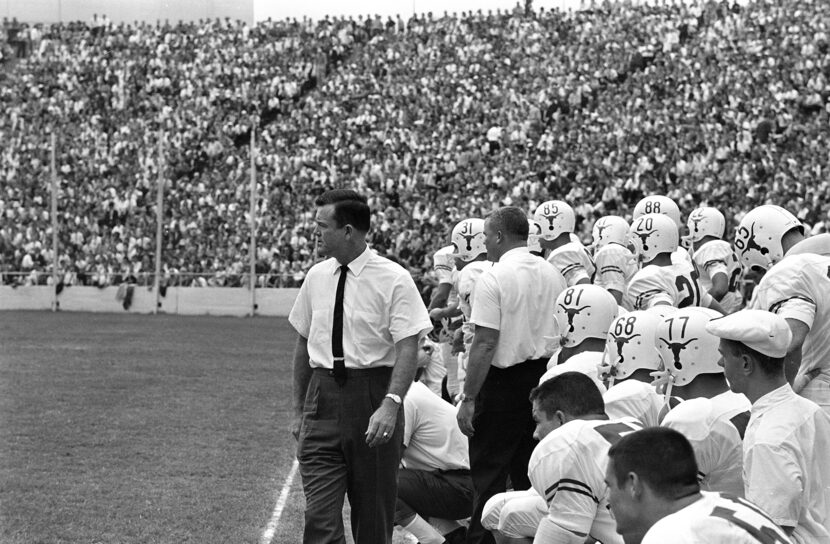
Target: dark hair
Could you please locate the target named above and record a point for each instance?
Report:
(573, 393)
(350, 208)
(511, 221)
(660, 457)
(770, 366)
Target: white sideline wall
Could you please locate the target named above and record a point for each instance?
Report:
(226, 301)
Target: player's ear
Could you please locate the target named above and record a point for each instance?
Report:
(633, 485)
(748, 364)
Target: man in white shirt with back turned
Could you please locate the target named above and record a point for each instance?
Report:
(513, 313)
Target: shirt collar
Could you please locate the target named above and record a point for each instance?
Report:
(515, 252)
(357, 265)
(772, 399)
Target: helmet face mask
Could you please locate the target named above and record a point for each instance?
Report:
(705, 222)
(610, 229)
(686, 348)
(555, 217)
(631, 343)
(584, 311)
(759, 235)
(534, 232)
(468, 239)
(657, 204)
(652, 234)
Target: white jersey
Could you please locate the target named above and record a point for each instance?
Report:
(717, 518)
(573, 261)
(443, 263)
(586, 363)
(466, 282)
(567, 468)
(616, 265)
(715, 427)
(798, 287)
(787, 463)
(634, 399)
(818, 245)
(718, 257)
(676, 285)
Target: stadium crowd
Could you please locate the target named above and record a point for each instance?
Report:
(437, 117)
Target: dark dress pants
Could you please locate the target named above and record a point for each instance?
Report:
(444, 494)
(503, 438)
(335, 460)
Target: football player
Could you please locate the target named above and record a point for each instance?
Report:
(712, 418)
(534, 232)
(567, 503)
(630, 357)
(668, 207)
(583, 315)
(656, 499)
(557, 221)
(719, 266)
(444, 302)
(615, 264)
(796, 287)
(661, 280)
(469, 261)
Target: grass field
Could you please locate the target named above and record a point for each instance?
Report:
(157, 429)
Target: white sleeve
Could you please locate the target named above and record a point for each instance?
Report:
(645, 290)
(569, 488)
(300, 316)
(713, 258)
(549, 532)
(407, 314)
(486, 311)
(786, 292)
(612, 269)
(573, 263)
(443, 266)
(773, 481)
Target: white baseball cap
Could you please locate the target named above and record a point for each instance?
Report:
(763, 331)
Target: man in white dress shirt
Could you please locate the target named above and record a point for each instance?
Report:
(358, 319)
(787, 442)
(513, 312)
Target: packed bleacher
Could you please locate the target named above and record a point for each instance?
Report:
(437, 117)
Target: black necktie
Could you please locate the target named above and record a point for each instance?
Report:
(337, 329)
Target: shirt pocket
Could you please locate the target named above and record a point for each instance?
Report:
(368, 335)
(320, 331)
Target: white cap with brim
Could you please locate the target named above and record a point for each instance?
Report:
(765, 332)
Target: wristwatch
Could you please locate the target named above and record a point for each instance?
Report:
(395, 398)
(465, 398)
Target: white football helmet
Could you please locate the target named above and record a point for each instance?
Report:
(758, 238)
(685, 346)
(652, 234)
(608, 229)
(705, 222)
(657, 204)
(534, 231)
(554, 217)
(468, 239)
(631, 343)
(584, 311)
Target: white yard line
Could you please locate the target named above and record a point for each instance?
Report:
(271, 528)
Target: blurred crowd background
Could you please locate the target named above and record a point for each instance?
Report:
(436, 118)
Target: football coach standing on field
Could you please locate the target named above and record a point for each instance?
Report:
(358, 317)
(513, 312)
